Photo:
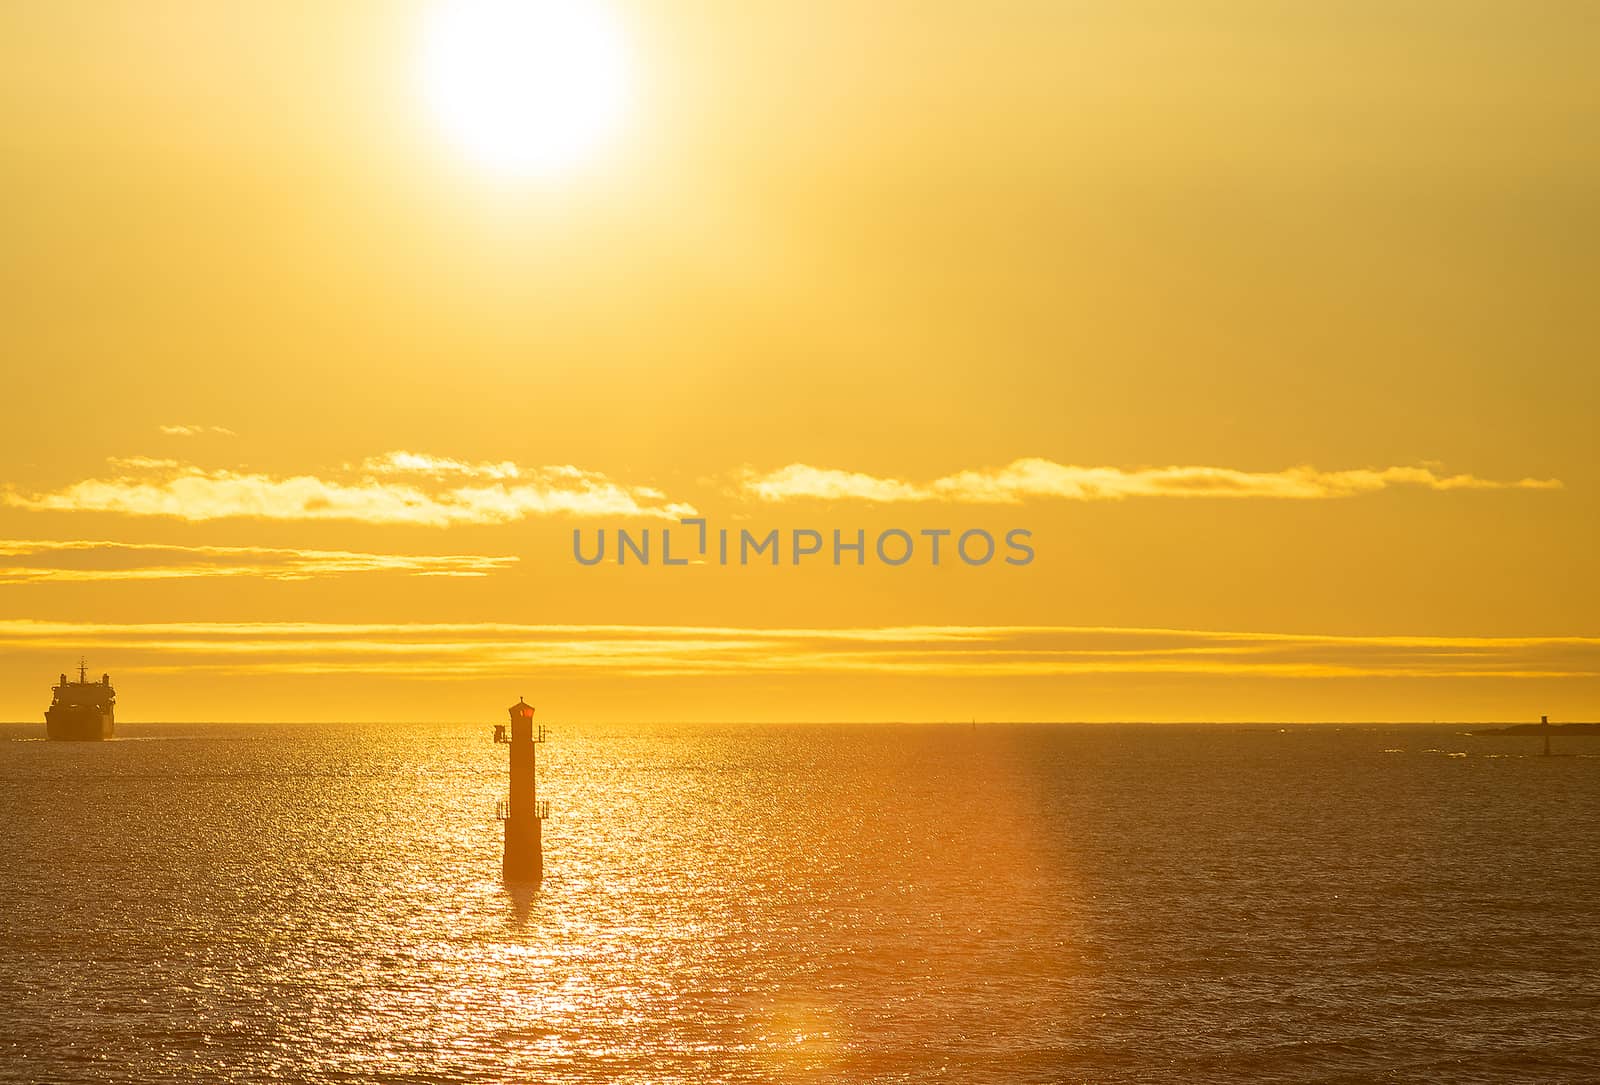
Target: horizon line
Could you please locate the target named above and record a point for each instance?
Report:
(850, 723)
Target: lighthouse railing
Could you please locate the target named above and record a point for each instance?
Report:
(541, 809)
(541, 733)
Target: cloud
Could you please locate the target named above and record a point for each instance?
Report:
(463, 650)
(1037, 478)
(34, 561)
(407, 487)
(420, 463)
(141, 463)
(400, 488)
(196, 431)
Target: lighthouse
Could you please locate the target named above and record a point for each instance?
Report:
(523, 812)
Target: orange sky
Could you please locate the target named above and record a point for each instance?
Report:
(1270, 322)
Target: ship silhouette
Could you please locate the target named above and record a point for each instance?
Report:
(81, 711)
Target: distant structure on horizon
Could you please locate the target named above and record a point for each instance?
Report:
(523, 812)
(81, 711)
(1543, 727)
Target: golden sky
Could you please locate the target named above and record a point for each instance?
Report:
(1272, 322)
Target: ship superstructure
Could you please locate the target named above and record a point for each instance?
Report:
(82, 711)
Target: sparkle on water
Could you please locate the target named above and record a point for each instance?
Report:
(1005, 904)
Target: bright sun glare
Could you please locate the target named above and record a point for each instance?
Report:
(525, 87)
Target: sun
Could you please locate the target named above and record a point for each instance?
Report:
(525, 87)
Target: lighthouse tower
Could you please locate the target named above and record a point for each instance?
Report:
(522, 812)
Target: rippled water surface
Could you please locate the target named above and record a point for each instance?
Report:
(872, 903)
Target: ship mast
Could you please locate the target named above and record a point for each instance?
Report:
(83, 670)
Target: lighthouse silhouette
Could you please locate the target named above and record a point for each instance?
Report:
(522, 811)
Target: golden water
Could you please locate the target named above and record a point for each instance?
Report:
(883, 903)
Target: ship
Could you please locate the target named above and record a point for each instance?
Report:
(81, 711)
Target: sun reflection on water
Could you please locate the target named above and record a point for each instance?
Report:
(757, 904)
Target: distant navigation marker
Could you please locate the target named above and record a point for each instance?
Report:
(1544, 722)
(523, 812)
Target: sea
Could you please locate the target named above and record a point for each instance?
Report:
(770, 903)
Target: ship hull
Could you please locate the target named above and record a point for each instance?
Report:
(79, 724)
